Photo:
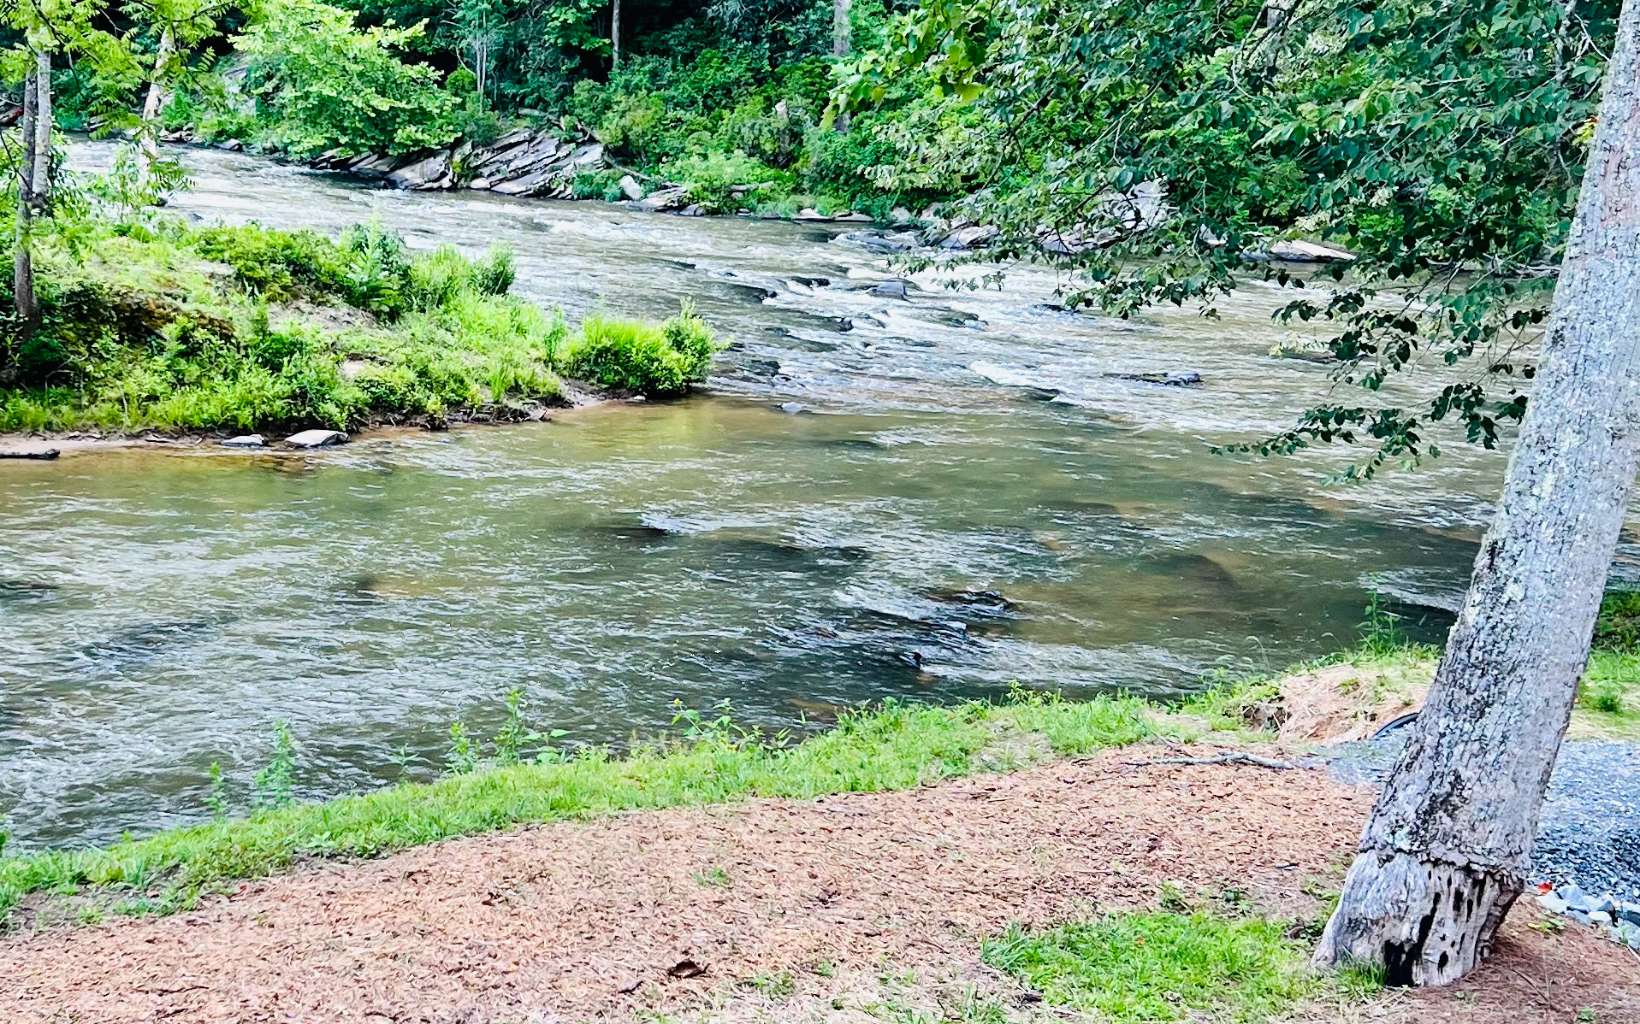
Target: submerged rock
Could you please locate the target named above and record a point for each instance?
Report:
(887, 242)
(970, 237)
(1180, 379)
(316, 438)
(898, 288)
(1297, 250)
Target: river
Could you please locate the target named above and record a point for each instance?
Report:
(923, 498)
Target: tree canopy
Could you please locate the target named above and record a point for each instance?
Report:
(1441, 143)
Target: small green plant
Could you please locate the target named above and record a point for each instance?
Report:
(460, 758)
(275, 784)
(714, 877)
(1549, 925)
(509, 739)
(404, 759)
(1380, 628)
(778, 985)
(216, 801)
(1173, 898)
(495, 273)
(1605, 695)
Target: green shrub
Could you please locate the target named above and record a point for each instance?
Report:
(438, 277)
(659, 362)
(321, 82)
(377, 271)
(277, 264)
(600, 183)
(711, 179)
(635, 125)
(495, 273)
(1618, 626)
(477, 123)
(461, 82)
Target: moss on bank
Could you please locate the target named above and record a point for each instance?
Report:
(240, 328)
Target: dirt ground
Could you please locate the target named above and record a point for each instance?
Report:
(851, 908)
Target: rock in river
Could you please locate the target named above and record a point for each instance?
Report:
(244, 441)
(1180, 379)
(316, 438)
(1297, 250)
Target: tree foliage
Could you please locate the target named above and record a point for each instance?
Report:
(1441, 142)
(321, 83)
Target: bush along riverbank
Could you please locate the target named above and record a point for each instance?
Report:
(169, 328)
(523, 775)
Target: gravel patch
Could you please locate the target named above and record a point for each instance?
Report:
(1590, 830)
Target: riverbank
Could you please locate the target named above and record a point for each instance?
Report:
(1119, 882)
(520, 778)
(164, 330)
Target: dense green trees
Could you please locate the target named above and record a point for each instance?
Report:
(320, 83)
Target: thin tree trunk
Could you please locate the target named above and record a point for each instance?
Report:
(40, 183)
(842, 44)
(154, 105)
(22, 263)
(1446, 851)
(615, 33)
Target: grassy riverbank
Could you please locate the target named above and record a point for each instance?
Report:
(891, 747)
(241, 328)
(503, 783)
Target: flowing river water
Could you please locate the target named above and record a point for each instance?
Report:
(923, 498)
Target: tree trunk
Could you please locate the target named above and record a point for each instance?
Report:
(22, 261)
(40, 183)
(154, 105)
(615, 34)
(1446, 851)
(842, 44)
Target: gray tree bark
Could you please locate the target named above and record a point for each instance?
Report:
(615, 33)
(24, 300)
(842, 44)
(154, 104)
(40, 185)
(1445, 852)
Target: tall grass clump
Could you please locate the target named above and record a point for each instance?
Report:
(656, 362)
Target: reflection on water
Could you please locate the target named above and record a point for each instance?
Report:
(926, 498)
